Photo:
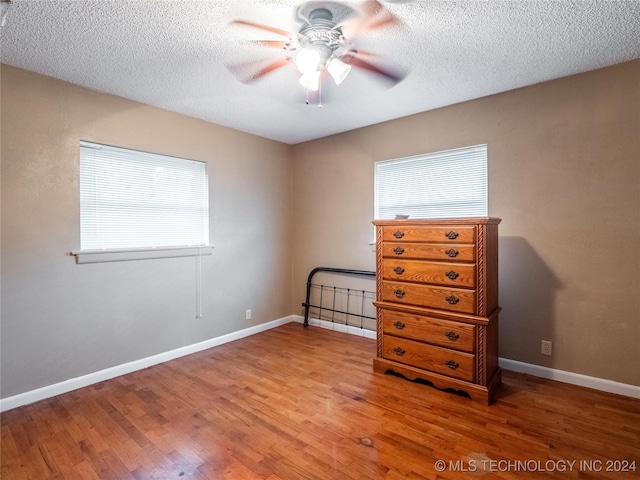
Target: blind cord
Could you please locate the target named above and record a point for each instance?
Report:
(199, 284)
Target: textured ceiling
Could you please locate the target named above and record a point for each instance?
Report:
(173, 54)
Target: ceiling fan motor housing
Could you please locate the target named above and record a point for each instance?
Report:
(320, 33)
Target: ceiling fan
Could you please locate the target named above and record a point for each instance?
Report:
(324, 44)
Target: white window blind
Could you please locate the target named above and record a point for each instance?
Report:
(138, 200)
(447, 184)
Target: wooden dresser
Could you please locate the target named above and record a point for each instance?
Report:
(437, 303)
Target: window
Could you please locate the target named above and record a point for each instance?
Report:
(136, 200)
(447, 184)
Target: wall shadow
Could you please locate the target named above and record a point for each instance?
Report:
(527, 297)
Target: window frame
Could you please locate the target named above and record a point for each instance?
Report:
(143, 161)
(476, 180)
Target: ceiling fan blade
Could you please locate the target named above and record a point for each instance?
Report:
(284, 33)
(364, 53)
(256, 73)
(390, 20)
(272, 44)
(371, 8)
(375, 9)
(373, 15)
(394, 76)
(366, 11)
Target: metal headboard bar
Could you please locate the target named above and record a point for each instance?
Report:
(343, 271)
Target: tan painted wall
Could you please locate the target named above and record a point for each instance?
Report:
(564, 175)
(61, 320)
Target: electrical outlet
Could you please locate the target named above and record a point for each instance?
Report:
(546, 347)
(247, 315)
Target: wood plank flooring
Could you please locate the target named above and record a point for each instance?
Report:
(295, 403)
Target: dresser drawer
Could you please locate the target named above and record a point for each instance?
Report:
(438, 273)
(444, 333)
(429, 357)
(443, 298)
(434, 234)
(429, 251)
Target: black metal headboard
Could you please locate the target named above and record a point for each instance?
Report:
(349, 310)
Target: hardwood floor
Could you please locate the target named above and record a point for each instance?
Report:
(295, 403)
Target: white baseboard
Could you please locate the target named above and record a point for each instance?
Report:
(570, 377)
(338, 327)
(508, 364)
(108, 373)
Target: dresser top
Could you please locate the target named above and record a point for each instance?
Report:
(440, 221)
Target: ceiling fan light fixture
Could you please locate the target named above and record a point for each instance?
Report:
(311, 80)
(338, 70)
(308, 60)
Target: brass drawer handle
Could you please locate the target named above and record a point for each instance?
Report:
(399, 270)
(398, 250)
(452, 275)
(453, 336)
(399, 293)
(452, 253)
(451, 364)
(451, 235)
(452, 299)
(398, 234)
(398, 351)
(399, 325)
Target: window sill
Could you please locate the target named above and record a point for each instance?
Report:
(101, 256)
